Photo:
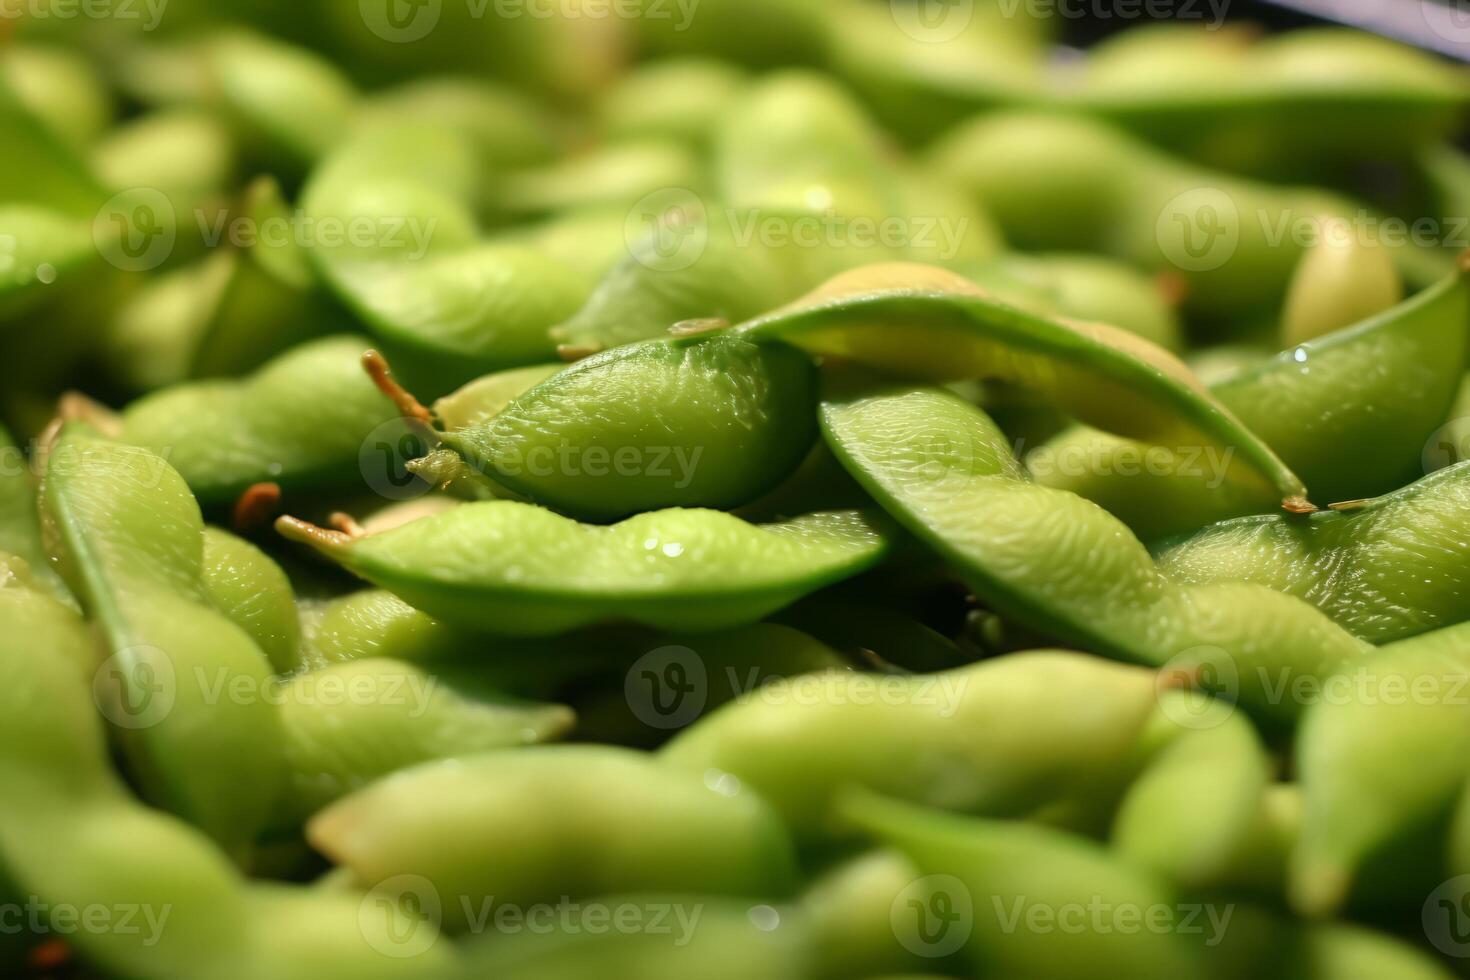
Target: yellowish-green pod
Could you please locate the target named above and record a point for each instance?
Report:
(1382, 756)
(1061, 565)
(1341, 280)
(533, 825)
(1024, 891)
(1191, 813)
(850, 911)
(677, 98)
(998, 738)
(934, 325)
(62, 88)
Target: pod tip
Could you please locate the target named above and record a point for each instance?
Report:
(256, 506)
(408, 406)
(1298, 504)
(304, 532)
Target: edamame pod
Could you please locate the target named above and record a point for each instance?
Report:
(511, 568)
(541, 824)
(1401, 368)
(999, 738)
(703, 421)
(1057, 181)
(850, 911)
(449, 304)
(74, 838)
(249, 588)
(928, 323)
(1381, 756)
(1011, 876)
(658, 937)
(183, 685)
(351, 723)
(1341, 280)
(1300, 101)
(289, 105)
(1383, 569)
(677, 98)
(943, 470)
(20, 521)
(300, 421)
(1190, 814)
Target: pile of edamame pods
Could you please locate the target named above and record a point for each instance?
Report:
(736, 489)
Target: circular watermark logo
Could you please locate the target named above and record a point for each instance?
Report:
(667, 688)
(1448, 19)
(668, 230)
(135, 688)
(932, 21)
(1447, 445)
(1199, 230)
(135, 229)
(401, 915)
(385, 454)
(400, 21)
(933, 916)
(1197, 687)
(1446, 917)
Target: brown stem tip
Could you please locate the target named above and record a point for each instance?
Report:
(1298, 505)
(256, 506)
(408, 406)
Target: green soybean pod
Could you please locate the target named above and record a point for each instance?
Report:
(1060, 181)
(289, 106)
(676, 98)
(931, 324)
(936, 464)
(1010, 874)
(1261, 941)
(1298, 102)
(1382, 756)
(850, 911)
(1384, 569)
(997, 738)
(184, 686)
(612, 175)
(20, 521)
(509, 129)
(539, 824)
(348, 724)
(1384, 384)
(448, 303)
(252, 591)
(192, 913)
(226, 435)
(1195, 807)
(662, 937)
(515, 569)
(62, 87)
(702, 421)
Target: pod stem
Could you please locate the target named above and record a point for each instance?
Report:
(256, 506)
(305, 532)
(1298, 504)
(347, 524)
(571, 353)
(408, 406)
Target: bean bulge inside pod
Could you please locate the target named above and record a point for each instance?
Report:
(709, 420)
